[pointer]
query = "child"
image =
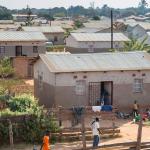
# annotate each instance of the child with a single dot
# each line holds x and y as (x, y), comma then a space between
(46, 145)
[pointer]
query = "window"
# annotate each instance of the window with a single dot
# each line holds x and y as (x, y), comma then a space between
(2, 49)
(138, 85)
(91, 49)
(35, 49)
(18, 50)
(55, 39)
(40, 80)
(80, 87)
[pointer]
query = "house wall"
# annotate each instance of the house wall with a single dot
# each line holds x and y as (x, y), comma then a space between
(51, 36)
(123, 94)
(63, 90)
(74, 46)
(46, 94)
(27, 48)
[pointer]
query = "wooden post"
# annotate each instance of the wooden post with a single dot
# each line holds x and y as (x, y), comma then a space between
(139, 135)
(83, 132)
(11, 135)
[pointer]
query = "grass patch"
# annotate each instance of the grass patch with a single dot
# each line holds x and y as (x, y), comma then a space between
(8, 83)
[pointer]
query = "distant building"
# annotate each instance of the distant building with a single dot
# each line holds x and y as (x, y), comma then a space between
(94, 42)
(70, 80)
(22, 17)
(54, 34)
(22, 47)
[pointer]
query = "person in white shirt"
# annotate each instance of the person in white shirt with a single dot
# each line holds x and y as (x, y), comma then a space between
(96, 132)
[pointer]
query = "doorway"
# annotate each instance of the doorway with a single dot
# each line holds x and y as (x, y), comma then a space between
(100, 92)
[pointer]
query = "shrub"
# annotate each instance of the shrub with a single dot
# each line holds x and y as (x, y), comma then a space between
(28, 130)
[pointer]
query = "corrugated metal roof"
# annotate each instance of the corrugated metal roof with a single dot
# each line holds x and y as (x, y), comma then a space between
(14, 36)
(45, 29)
(97, 61)
(99, 37)
(86, 30)
(103, 24)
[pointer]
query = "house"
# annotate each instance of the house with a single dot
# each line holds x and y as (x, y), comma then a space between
(83, 79)
(94, 42)
(54, 34)
(22, 47)
(22, 17)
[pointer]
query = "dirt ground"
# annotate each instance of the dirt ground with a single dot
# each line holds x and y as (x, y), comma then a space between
(128, 134)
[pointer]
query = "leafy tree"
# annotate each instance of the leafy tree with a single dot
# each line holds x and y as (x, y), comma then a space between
(29, 19)
(96, 18)
(142, 6)
(6, 68)
(78, 24)
(5, 14)
(135, 45)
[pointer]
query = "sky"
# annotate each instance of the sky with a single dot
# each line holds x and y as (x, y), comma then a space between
(13, 4)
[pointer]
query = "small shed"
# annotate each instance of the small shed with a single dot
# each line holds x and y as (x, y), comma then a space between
(94, 42)
(88, 79)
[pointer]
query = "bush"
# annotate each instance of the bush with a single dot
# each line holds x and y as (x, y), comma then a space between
(28, 130)
(6, 69)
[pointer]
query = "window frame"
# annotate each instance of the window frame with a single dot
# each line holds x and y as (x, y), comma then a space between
(138, 85)
(2, 49)
(80, 87)
(35, 50)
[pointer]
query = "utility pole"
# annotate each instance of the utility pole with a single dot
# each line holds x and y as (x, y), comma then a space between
(50, 15)
(112, 29)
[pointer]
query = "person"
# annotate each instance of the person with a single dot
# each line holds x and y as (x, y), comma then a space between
(46, 145)
(96, 132)
(135, 108)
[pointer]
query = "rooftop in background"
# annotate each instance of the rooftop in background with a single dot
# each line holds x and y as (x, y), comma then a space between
(6, 22)
(22, 15)
(96, 37)
(103, 24)
(21, 36)
(97, 61)
(86, 30)
(44, 29)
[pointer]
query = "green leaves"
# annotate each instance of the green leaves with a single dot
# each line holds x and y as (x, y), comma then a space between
(135, 45)
(6, 68)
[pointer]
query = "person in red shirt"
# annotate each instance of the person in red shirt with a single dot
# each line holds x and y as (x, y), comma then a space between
(46, 143)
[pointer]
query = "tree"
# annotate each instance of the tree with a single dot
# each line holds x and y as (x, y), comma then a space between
(5, 14)
(6, 68)
(142, 6)
(135, 45)
(29, 19)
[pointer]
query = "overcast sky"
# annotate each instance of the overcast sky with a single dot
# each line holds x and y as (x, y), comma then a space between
(66, 3)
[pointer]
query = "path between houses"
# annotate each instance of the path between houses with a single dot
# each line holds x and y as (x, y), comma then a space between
(128, 134)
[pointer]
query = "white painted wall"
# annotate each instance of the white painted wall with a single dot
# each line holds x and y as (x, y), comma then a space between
(41, 68)
(71, 42)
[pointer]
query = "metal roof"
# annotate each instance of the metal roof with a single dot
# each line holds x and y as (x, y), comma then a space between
(13, 36)
(86, 30)
(97, 61)
(45, 29)
(97, 37)
(102, 24)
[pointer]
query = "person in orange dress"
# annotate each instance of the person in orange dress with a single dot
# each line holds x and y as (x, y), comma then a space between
(46, 144)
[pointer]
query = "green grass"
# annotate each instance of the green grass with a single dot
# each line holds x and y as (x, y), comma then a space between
(8, 83)
(56, 48)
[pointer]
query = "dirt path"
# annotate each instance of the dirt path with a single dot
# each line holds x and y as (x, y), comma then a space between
(128, 134)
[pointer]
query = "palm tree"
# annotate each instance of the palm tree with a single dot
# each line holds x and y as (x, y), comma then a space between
(135, 45)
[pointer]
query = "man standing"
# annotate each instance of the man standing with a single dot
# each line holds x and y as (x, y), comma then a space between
(96, 132)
